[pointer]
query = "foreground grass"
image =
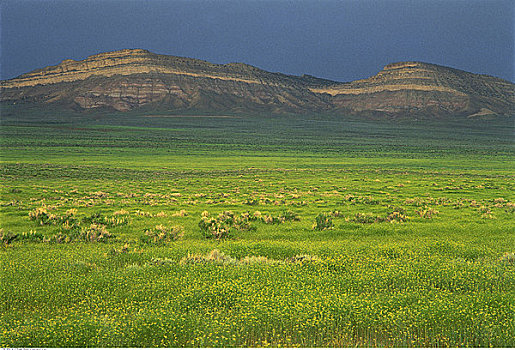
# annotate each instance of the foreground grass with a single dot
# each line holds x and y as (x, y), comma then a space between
(438, 273)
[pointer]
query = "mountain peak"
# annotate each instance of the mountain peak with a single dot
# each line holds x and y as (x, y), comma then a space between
(109, 54)
(120, 53)
(406, 64)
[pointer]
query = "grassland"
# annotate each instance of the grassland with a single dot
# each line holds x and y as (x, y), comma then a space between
(102, 244)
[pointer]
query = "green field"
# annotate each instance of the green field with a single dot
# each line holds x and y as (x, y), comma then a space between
(341, 232)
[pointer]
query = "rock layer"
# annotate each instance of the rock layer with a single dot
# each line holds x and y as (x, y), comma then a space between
(129, 79)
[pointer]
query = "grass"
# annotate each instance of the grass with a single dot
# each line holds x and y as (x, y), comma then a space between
(419, 252)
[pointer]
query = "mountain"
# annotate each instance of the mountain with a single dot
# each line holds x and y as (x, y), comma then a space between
(129, 79)
(423, 89)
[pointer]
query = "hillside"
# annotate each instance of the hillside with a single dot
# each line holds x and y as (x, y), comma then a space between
(128, 79)
(416, 88)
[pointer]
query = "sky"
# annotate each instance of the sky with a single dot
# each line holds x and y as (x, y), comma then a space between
(339, 40)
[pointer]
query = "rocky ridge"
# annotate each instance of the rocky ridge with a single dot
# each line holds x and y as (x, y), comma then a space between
(129, 79)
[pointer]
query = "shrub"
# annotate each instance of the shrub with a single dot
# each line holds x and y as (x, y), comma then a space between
(161, 261)
(99, 194)
(31, 236)
(499, 200)
(392, 217)
(251, 202)
(486, 212)
(243, 222)
(143, 213)
(395, 217)
(288, 215)
(218, 258)
(508, 258)
(301, 258)
(69, 221)
(7, 237)
(214, 257)
(43, 216)
(161, 234)
(335, 213)
(94, 218)
(250, 260)
(109, 221)
(216, 228)
(367, 200)
(227, 217)
(400, 210)
(363, 218)
(95, 233)
(121, 212)
(427, 212)
(323, 221)
(59, 238)
(269, 219)
(220, 227)
(123, 250)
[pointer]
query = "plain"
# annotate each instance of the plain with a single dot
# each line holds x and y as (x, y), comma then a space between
(121, 230)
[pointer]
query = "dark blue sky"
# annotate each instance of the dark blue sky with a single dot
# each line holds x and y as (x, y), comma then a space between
(340, 40)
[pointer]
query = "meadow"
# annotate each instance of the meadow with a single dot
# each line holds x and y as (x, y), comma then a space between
(144, 230)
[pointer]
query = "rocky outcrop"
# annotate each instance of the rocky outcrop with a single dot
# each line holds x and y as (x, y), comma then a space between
(129, 79)
(423, 89)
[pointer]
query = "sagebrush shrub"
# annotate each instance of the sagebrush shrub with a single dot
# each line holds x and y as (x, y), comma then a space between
(251, 202)
(181, 213)
(323, 221)
(395, 216)
(427, 212)
(217, 257)
(95, 233)
(216, 228)
(7, 237)
(121, 212)
(42, 216)
(508, 258)
(161, 234)
(214, 257)
(220, 227)
(486, 212)
(300, 258)
(123, 250)
(250, 260)
(364, 218)
(161, 261)
(288, 215)
(336, 213)
(31, 236)
(109, 221)
(392, 217)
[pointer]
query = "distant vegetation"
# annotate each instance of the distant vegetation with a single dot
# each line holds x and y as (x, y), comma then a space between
(125, 231)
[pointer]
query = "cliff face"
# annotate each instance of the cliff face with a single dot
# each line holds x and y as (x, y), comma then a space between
(128, 79)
